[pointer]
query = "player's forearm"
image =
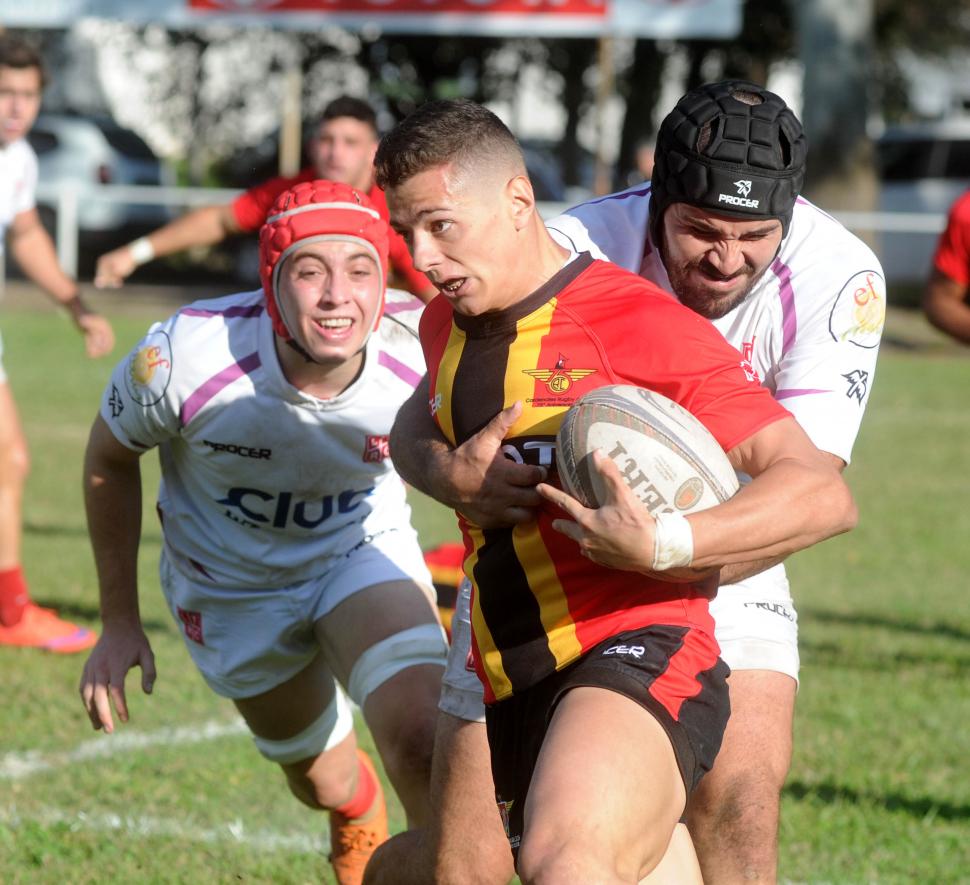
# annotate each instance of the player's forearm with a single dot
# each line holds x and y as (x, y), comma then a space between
(34, 251)
(948, 311)
(791, 505)
(419, 449)
(112, 498)
(200, 227)
(739, 571)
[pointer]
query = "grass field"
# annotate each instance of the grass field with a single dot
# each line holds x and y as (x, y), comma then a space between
(880, 786)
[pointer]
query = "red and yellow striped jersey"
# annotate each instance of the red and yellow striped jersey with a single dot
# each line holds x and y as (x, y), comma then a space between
(537, 604)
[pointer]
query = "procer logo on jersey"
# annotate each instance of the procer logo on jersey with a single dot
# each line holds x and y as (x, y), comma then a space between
(242, 451)
(256, 508)
(744, 189)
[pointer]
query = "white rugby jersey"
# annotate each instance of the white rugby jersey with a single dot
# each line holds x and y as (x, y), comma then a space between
(811, 326)
(18, 184)
(263, 485)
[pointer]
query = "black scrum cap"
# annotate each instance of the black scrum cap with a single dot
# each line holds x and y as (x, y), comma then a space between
(731, 147)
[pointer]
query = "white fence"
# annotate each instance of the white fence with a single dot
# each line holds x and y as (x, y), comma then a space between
(903, 240)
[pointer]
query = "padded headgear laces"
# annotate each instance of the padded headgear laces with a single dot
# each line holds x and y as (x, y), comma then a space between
(731, 147)
(310, 212)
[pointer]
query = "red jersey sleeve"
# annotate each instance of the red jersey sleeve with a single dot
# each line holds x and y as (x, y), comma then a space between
(679, 354)
(952, 256)
(251, 207)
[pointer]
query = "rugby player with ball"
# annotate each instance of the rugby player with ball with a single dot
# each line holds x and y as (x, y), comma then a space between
(521, 330)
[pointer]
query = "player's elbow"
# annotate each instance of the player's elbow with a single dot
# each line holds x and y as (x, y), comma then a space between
(842, 511)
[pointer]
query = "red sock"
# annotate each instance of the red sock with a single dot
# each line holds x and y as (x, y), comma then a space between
(13, 596)
(363, 798)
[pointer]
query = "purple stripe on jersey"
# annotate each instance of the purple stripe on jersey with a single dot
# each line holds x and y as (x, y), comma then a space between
(785, 394)
(401, 306)
(621, 195)
(216, 383)
(405, 373)
(254, 310)
(789, 320)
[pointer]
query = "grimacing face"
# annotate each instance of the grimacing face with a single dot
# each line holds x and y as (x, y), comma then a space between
(461, 231)
(329, 294)
(713, 261)
(343, 151)
(20, 93)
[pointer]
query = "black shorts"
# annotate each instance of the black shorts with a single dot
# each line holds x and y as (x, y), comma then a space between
(674, 672)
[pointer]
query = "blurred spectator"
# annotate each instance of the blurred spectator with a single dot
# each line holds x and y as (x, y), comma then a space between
(643, 162)
(945, 297)
(22, 622)
(342, 150)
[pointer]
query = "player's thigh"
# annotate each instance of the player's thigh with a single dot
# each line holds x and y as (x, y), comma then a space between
(293, 706)
(614, 785)
(757, 742)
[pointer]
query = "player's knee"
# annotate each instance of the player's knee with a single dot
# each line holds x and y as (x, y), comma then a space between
(309, 777)
(321, 787)
(14, 463)
(745, 796)
(557, 860)
(482, 861)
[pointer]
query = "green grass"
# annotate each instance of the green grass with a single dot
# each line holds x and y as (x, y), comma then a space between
(880, 786)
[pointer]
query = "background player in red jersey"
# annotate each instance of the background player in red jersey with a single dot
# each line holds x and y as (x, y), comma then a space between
(948, 288)
(584, 804)
(342, 150)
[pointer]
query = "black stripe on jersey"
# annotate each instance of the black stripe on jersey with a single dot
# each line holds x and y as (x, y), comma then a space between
(479, 383)
(520, 638)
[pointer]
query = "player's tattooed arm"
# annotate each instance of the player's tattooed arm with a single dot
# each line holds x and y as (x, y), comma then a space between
(475, 478)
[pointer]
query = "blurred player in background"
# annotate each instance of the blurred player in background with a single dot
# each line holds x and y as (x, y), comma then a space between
(342, 150)
(946, 297)
(594, 746)
(290, 564)
(804, 301)
(23, 622)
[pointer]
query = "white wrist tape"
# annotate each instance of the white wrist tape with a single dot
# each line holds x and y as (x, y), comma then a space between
(673, 542)
(141, 251)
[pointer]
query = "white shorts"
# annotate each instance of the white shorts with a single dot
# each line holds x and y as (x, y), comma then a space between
(755, 623)
(247, 641)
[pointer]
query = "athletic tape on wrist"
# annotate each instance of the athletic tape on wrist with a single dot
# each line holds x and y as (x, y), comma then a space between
(141, 250)
(673, 542)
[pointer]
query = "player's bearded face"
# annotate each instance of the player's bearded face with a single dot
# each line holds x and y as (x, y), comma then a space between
(461, 234)
(329, 294)
(714, 261)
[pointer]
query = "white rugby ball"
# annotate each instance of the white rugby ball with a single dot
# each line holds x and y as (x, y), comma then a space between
(668, 458)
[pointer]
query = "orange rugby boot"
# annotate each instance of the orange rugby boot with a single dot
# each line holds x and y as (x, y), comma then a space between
(42, 628)
(352, 842)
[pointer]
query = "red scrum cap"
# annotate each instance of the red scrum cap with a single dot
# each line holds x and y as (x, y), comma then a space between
(311, 212)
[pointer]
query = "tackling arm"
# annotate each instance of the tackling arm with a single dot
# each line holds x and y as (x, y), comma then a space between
(475, 478)
(200, 227)
(113, 501)
(945, 305)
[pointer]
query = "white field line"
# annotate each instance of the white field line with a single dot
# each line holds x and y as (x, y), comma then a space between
(143, 825)
(17, 766)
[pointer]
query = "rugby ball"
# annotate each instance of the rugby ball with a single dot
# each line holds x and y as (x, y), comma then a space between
(668, 459)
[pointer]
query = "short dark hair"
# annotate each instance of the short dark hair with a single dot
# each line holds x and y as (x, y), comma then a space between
(348, 106)
(19, 54)
(442, 132)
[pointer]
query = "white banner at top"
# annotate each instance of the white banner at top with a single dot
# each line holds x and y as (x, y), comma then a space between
(661, 19)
